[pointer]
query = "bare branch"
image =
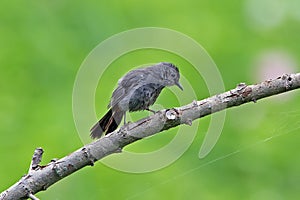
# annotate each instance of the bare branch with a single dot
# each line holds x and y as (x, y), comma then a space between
(31, 196)
(36, 159)
(41, 177)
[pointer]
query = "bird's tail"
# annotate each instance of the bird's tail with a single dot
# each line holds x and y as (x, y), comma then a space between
(108, 123)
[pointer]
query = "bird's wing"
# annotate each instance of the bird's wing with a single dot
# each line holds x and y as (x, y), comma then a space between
(126, 84)
(117, 96)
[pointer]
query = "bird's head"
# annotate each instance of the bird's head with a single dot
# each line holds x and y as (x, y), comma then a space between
(170, 74)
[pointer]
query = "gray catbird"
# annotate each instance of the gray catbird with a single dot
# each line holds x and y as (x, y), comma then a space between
(137, 90)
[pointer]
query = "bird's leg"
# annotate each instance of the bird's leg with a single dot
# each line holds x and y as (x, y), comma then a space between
(150, 110)
(124, 118)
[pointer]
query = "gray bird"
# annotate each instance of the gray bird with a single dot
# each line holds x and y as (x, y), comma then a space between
(136, 91)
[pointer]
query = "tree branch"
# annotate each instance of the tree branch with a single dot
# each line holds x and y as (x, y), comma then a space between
(41, 177)
(36, 159)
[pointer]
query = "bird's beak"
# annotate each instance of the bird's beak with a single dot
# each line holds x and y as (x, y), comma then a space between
(180, 86)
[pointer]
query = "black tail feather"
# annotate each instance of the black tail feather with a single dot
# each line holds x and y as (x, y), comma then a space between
(108, 123)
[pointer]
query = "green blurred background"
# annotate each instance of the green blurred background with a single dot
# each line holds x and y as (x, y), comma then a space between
(43, 44)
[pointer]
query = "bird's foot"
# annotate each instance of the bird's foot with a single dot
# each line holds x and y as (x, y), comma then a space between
(151, 110)
(125, 123)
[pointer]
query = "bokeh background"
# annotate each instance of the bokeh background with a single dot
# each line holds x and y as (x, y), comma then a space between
(43, 44)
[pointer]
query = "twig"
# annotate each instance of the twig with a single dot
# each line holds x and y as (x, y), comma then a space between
(31, 196)
(36, 159)
(44, 176)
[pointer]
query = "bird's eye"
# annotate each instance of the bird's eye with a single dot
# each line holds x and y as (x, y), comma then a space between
(173, 75)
